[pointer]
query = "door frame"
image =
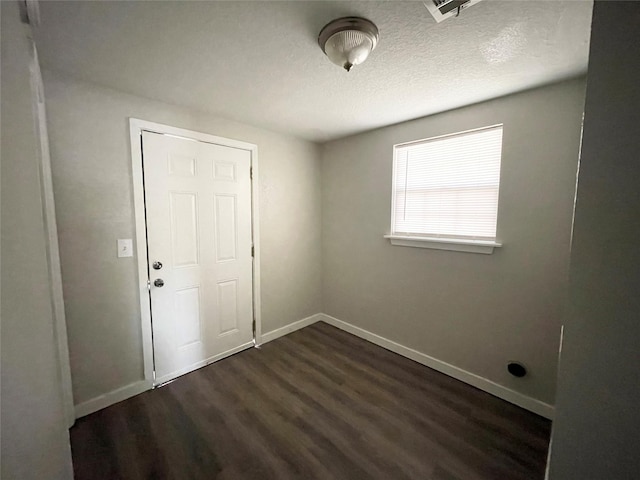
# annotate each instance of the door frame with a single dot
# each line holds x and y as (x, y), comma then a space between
(51, 234)
(136, 127)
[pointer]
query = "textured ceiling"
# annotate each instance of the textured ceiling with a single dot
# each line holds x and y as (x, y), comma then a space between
(259, 62)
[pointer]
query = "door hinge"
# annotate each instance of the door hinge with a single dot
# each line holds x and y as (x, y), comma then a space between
(251, 173)
(253, 326)
(149, 285)
(253, 251)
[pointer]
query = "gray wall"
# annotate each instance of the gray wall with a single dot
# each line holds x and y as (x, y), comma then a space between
(473, 311)
(88, 128)
(597, 430)
(35, 441)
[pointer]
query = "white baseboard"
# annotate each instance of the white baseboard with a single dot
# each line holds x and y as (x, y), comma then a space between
(528, 403)
(118, 395)
(128, 391)
(292, 327)
(477, 381)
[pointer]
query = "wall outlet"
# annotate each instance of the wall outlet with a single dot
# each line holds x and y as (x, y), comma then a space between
(125, 247)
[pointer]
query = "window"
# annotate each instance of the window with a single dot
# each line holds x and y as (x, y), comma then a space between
(445, 191)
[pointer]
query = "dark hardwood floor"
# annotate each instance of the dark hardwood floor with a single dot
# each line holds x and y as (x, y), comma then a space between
(316, 404)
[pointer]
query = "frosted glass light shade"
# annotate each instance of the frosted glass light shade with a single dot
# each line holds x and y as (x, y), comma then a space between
(348, 41)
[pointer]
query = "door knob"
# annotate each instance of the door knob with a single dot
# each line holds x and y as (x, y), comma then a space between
(157, 265)
(158, 282)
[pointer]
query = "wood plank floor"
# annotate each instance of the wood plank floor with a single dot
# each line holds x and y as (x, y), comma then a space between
(317, 404)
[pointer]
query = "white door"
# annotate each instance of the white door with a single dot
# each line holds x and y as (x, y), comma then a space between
(198, 209)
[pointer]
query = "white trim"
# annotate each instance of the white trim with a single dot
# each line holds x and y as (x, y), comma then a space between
(292, 327)
(133, 389)
(549, 450)
(528, 403)
(174, 375)
(136, 127)
(51, 234)
(108, 399)
(141, 248)
(457, 245)
(255, 235)
(147, 126)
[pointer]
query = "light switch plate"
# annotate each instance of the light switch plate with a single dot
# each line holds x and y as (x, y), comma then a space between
(125, 247)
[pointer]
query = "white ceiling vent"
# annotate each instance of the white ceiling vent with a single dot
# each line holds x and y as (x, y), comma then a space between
(443, 9)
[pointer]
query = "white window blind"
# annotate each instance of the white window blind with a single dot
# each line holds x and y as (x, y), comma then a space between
(447, 187)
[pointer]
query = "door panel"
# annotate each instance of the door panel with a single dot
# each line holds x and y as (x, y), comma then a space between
(198, 207)
(183, 211)
(226, 231)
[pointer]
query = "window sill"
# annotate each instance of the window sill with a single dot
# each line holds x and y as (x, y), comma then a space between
(469, 246)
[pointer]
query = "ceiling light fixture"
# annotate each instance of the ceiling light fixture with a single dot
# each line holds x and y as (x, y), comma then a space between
(348, 41)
